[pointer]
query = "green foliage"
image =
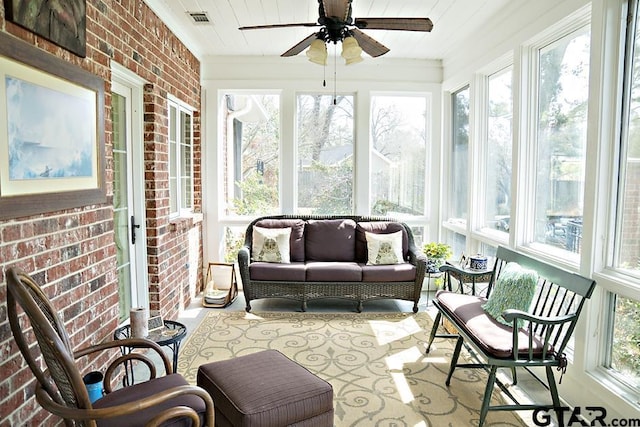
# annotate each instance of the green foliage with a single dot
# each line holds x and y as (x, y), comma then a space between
(437, 250)
(333, 193)
(233, 243)
(257, 196)
(625, 356)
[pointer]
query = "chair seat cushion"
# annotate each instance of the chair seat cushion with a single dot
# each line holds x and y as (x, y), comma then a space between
(491, 336)
(145, 389)
(266, 389)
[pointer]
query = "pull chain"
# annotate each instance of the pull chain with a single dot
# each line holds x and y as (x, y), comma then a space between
(335, 72)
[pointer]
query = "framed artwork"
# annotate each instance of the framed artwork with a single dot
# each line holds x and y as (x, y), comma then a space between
(63, 22)
(51, 132)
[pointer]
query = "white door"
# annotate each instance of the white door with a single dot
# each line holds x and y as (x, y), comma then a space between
(128, 193)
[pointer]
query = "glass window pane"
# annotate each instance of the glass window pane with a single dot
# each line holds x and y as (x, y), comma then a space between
(625, 352)
(459, 166)
(498, 152)
(458, 243)
(628, 224)
(325, 154)
(252, 154)
(233, 241)
(563, 87)
(399, 141)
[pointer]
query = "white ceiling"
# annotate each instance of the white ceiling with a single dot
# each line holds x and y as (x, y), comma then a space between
(453, 20)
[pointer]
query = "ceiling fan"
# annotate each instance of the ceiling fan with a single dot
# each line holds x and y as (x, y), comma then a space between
(336, 24)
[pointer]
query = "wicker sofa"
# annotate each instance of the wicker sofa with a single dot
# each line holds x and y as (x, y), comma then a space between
(331, 257)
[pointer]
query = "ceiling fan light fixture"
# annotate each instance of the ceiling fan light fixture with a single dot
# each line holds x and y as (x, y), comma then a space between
(317, 52)
(351, 50)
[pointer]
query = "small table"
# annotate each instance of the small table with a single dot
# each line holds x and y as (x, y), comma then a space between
(170, 336)
(465, 275)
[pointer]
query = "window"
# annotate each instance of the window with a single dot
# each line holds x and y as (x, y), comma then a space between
(398, 158)
(459, 166)
(497, 162)
(623, 358)
(325, 154)
(562, 95)
(251, 149)
(180, 158)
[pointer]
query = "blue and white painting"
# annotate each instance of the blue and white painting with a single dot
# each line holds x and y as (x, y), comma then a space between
(51, 134)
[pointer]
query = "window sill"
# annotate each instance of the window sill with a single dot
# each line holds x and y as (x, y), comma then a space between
(185, 223)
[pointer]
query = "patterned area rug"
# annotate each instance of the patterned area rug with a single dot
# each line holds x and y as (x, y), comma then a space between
(375, 362)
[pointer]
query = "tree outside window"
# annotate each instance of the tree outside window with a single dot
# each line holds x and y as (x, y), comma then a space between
(398, 157)
(251, 152)
(497, 211)
(563, 88)
(325, 154)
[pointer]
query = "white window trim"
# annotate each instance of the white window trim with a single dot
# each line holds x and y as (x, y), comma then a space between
(181, 106)
(528, 139)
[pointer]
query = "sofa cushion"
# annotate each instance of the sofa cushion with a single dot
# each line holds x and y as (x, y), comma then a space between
(384, 248)
(277, 272)
(389, 273)
(379, 227)
(332, 271)
(296, 241)
(271, 244)
(491, 336)
(330, 240)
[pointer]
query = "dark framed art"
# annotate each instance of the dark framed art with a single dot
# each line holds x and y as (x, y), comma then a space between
(51, 132)
(63, 22)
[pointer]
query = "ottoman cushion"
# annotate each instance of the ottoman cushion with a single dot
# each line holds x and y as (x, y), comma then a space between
(266, 389)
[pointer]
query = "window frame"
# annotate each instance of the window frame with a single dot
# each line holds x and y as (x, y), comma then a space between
(575, 24)
(480, 231)
(182, 209)
(613, 281)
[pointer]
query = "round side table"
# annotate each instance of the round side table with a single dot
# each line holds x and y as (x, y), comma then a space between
(170, 336)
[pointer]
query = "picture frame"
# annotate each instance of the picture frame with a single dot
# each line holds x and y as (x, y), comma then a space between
(155, 323)
(64, 25)
(51, 158)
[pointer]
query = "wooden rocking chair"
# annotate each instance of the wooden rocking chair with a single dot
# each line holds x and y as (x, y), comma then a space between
(166, 400)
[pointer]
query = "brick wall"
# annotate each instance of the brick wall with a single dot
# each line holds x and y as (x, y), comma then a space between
(72, 252)
(630, 242)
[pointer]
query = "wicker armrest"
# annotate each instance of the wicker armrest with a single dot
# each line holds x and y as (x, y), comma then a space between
(134, 343)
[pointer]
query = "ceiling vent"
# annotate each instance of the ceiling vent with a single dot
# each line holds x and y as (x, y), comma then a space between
(199, 17)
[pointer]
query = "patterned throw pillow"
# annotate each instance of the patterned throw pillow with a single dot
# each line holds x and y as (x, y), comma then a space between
(384, 248)
(271, 244)
(514, 288)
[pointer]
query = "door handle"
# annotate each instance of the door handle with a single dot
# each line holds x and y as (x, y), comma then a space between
(133, 229)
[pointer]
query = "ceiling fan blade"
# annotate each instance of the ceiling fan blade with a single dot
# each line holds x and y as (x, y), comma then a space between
(301, 46)
(401, 24)
(337, 8)
(260, 27)
(369, 44)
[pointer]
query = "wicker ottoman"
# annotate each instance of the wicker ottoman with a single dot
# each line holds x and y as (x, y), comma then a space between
(266, 389)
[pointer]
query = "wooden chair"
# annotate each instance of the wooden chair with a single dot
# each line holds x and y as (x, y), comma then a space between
(60, 389)
(541, 342)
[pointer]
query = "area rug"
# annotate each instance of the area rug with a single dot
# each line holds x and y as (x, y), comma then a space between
(375, 362)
